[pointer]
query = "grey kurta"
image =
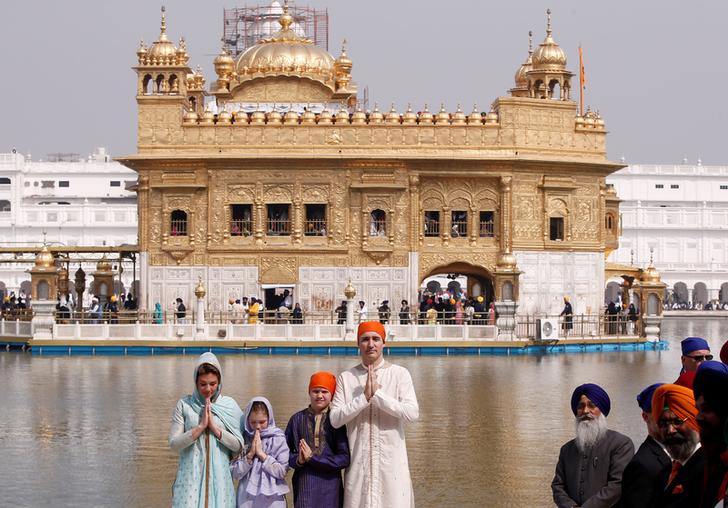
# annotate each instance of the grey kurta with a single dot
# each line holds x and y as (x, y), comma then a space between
(592, 479)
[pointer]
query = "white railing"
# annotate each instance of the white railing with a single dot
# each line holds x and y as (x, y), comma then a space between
(264, 332)
(15, 328)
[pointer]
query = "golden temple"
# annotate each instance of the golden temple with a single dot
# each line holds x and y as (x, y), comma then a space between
(276, 177)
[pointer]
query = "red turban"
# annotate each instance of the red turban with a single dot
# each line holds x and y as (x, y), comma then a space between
(679, 399)
(371, 326)
(324, 380)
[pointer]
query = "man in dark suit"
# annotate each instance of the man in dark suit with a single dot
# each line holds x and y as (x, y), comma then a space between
(589, 470)
(640, 475)
(681, 483)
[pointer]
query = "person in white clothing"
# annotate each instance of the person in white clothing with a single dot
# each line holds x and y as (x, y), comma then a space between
(374, 400)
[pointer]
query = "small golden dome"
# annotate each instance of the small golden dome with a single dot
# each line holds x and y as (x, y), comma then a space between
(142, 51)
(224, 117)
(104, 265)
(458, 118)
(291, 117)
(286, 54)
(579, 122)
(443, 117)
(257, 117)
(521, 77)
(200, 290)
(224, 63)
(326, 117)
(208, 118)
(359, 117)
(308, 117)
(190, 116)
(507, 261)
(342, 116)
(409, 117)
(44, 259)
(162, 51)
(549, 55)
(344, 63)
(349, 291)
(651, 274)
(425, 116)
(491, 117)
(241, 117)
(274, 117)
(475, 117)
(376, 116)
(392, 116)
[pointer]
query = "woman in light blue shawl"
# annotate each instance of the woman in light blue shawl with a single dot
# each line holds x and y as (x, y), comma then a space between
(206, 433)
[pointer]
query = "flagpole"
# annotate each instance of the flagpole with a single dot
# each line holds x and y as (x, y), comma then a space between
(581, 82)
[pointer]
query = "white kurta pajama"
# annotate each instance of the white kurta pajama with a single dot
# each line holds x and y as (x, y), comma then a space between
(378, 475)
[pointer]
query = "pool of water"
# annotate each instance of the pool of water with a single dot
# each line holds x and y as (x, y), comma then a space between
(92, 431)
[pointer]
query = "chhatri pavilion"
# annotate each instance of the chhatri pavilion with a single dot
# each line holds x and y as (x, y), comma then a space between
(274, 177)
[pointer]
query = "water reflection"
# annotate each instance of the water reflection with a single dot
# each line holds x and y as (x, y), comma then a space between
(91, 431)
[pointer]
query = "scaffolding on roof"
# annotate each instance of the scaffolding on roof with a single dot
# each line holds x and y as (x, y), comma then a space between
(243, 27)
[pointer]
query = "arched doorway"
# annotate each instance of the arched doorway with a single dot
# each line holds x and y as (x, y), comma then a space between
(700, 293)
(723, 295)
(469, 281)
(680, 293)
(613, 292)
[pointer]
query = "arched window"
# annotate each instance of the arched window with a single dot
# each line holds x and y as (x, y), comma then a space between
(161, 84)
(556, 229)
(555, 89)
(4, 205)
(173, 84)
(609, 222)
(145, 84)
(378, 223)
(178, 223)
(43, 290)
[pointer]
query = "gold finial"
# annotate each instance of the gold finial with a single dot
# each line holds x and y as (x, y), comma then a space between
(163, 28)
(343, 47)
(442, 107)
(651, 251)
(349, 291)
(200, 290)
(426, 110)
(631, 257)
(44, 237)
(548, 22)
(530, 42)
(286, 20)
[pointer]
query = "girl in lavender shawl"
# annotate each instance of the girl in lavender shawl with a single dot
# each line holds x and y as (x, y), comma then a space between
(262, 470)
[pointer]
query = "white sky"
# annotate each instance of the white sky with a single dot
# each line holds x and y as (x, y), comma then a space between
(656, 70)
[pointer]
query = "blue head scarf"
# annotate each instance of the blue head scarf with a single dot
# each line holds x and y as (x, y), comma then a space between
(644, 399)
(594, 393)
(190, 481)
(690, 344)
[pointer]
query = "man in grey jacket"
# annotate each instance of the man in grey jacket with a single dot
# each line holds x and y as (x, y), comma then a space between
(589, 471)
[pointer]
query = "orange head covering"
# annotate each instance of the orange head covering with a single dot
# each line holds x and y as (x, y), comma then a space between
(371, 326)
(323, 380)
(679, 399)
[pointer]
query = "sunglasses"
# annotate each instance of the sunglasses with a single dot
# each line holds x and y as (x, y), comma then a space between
(700, 358)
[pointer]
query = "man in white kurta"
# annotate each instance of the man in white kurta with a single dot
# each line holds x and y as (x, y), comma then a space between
(374, 400)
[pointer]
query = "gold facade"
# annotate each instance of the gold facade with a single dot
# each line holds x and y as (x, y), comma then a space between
(529, 160)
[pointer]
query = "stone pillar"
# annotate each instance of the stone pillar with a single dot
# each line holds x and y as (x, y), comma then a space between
(506, 321)
(43, 320)
(200, 311)
(349, 293)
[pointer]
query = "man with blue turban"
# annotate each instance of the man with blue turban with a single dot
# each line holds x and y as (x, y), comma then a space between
(695, 350)
(589, 470)
(638, 480)
(711, 399)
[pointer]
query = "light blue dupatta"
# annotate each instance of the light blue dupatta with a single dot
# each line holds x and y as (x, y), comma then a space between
(188, 490)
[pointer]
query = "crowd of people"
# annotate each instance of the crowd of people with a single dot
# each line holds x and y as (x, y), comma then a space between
(683, 461)
(354, 423)
(14, 307)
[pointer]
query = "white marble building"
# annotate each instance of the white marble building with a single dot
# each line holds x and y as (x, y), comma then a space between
(75, 202)
(681, 212)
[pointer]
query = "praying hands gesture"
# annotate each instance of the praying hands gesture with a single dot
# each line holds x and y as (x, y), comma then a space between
(304, 452)
(207, 422)
(256, 449)
(371, 386)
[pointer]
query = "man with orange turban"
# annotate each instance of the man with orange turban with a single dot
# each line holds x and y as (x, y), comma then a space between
(374, 400)
(674, 408)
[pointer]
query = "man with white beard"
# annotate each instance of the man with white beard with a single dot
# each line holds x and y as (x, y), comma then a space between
(682, 482)
(589, 471)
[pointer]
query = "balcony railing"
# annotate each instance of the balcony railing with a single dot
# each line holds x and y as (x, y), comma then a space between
(279, 227)
(241, 227)
(316, 227)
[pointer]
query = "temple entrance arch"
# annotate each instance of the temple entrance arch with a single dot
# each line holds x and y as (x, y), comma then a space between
(471, 280)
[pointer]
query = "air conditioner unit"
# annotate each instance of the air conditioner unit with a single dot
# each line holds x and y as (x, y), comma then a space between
(548, 329)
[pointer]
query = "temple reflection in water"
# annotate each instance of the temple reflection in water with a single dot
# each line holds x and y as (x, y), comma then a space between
(275, 177)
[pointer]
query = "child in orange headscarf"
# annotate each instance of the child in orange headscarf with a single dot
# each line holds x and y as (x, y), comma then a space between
(318, 451)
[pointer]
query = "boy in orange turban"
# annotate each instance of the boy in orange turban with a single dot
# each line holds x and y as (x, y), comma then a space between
(318, 451)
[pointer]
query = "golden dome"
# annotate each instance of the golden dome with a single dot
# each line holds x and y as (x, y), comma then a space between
(44, 259)
(376, 116)
(359, 117)
(286, 54)
(507, 261)
(257, 117)
(549, 55)
(392, 116)
(224, 63)
(291, 117)
(200, 290)
(190, 116)
(409, 117)
(224, 117)
(458, 118)
(522, 72)
(104, 265)
(651, 274)
(475, 117)
(162, 51)
(326, 117)
(443, 117)
(425, 116)
(350, 291)
(274, 117)
(342, 116)
(308, 117)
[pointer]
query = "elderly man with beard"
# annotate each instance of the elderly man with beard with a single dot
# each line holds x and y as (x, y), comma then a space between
(711, 397)
(589, 471)
(640, 475)
(681, 482)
